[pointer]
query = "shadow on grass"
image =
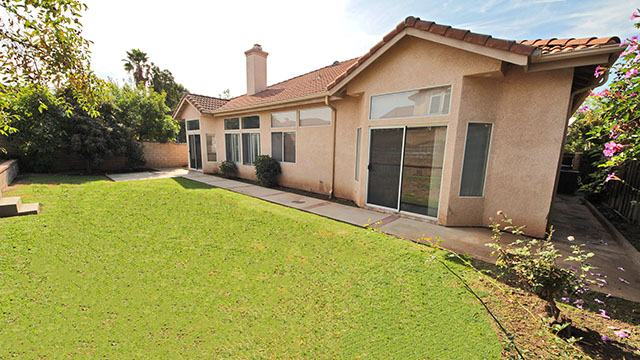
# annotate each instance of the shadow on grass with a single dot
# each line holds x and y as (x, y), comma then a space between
(56, 179)
(190, 184)
(592, 342)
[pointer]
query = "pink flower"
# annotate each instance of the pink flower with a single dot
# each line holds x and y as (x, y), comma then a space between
(610, 177)
(622, 333)
(597, 72)
(565, 299)
(603, 314)
(612, 328)
(599, 301)
(611, 148)
(621, 268)
(630, 73)
(623, 280)
(605, 338)
(634, 15)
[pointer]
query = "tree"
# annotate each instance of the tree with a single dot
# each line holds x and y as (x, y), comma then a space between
(162, 81)
(226, 94)
(137, 63)
(41, 43)
(144, 111)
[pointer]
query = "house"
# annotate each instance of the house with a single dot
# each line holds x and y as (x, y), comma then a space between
(433, 121)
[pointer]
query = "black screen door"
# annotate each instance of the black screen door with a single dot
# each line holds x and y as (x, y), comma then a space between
(385, 161)
(195, 152)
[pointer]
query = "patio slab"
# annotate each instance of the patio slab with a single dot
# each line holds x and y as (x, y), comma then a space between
(569, 217)
(149, 175)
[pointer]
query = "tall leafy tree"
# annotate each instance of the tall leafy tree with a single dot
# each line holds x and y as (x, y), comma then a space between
(41, 43)
(163, 81)
(137, 63)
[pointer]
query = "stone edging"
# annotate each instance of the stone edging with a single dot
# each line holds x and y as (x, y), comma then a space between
(631, 251)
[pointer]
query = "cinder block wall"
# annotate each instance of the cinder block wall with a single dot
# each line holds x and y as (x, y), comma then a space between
(164, 155)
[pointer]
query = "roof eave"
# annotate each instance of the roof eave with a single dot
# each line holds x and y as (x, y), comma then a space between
(604, 49)
(265, 106)
(181, 103)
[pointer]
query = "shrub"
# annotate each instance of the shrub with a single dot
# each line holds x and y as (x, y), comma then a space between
(534, 265)
(267, 169)
(228, 168)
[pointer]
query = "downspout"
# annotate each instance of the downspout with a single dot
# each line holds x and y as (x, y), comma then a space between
(333, 145)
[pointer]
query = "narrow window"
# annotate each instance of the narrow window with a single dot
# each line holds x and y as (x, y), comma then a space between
(250, 148)
(212, 153)
(283, 146)
(193, 124)
(315, 117)
(358, 140)
(232, 147)
(251, 122)
(232, 124)
(283, 119)
(476, 154)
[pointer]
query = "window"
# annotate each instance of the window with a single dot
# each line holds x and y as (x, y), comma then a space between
(476, 154)
(423, 102)
(315, 117)
(212, 153)
(250, 148)
(283, 119)
(232, 124)
(232, 147)
(283, 146)
(358, 140)
(251, 122)
(193, 124)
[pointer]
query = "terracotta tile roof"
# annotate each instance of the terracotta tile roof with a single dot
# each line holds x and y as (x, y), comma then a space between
(205, 103)
(319, 81)
(523, 47)
(314, 82)
(554, 46)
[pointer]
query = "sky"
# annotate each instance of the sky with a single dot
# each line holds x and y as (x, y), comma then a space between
(203, 42)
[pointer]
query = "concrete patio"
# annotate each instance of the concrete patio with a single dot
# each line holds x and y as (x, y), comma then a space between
(148, 175)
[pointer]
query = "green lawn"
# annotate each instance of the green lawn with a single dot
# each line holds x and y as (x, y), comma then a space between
(174, 269)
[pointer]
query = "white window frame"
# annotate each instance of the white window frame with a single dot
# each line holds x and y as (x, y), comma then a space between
(239, 161)
(186, 125)
(315, 108)
(295, 120)
(450, 85)
(242, 145)
(215, 145)
(295, 144)
(246, 116)
(358, 153)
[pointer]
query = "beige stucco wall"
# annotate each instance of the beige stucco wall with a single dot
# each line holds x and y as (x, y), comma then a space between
(527, 110)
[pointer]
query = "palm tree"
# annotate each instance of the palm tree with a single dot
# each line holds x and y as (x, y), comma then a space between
(137, 62)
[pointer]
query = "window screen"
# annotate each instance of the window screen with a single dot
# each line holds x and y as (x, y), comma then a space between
(193, 124)
(250, 148)
(476, 153)
(283, 146)
(423, 102)
(283, 119)
(212, 153)
(358, 140)
(232, 147)
(232, 124)
(315, 117)
(251, 122)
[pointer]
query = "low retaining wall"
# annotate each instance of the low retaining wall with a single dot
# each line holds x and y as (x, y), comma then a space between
(8, 172)
(164, 155)
(156, 154)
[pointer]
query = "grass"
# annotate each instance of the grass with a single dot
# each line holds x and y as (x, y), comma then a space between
(170, 268)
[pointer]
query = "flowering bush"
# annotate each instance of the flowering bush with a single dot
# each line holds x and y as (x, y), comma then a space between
(534, 265)
(617, 107)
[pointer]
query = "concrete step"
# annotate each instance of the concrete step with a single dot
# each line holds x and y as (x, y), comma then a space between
(9, 206)
(29, 209)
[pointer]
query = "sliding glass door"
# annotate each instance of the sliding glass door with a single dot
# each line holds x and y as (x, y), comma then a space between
(405, 168)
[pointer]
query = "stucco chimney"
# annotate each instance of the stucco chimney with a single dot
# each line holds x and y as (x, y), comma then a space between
(256, 69)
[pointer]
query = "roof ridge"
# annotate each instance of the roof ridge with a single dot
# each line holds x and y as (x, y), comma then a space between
(307, 73)
(207, 96)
